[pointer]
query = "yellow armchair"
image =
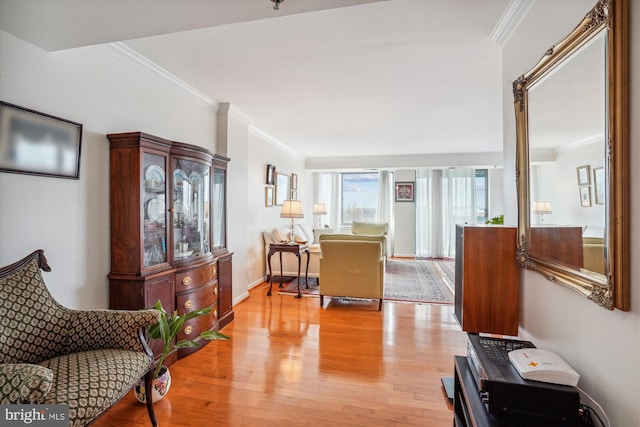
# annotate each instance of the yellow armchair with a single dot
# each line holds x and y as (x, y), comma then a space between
(351, 268)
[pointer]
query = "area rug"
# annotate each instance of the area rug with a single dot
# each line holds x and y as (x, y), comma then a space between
(423, 281)
(429, 281)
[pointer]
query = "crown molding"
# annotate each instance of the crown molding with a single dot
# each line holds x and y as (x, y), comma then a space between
(271, 140)
(226, 108)
(130, 57)
(515, 11)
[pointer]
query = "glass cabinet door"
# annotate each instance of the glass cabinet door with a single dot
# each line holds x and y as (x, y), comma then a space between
(191, 216)
(154, 212)
(219, 220)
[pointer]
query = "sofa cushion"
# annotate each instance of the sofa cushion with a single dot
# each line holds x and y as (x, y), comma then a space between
(369, 228)
(281, 234)
(91, 381)
(355, 237)
(307, 231)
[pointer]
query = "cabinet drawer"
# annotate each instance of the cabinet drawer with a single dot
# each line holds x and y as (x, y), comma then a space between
(196, 277)
(198, 298)
(194, 327)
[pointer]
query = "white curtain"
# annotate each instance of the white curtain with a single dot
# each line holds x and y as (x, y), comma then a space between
(385, 211)
(444, 198)
(328, 192)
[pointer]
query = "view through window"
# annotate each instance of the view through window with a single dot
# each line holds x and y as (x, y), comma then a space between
(359, 197)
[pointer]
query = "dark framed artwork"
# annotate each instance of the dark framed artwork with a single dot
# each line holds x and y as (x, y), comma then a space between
(35, 143)
(404, 191)
(271, 173)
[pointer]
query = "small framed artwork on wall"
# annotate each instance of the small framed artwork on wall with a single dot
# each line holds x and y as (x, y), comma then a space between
(584, 175)
(294, 181)
(598, 185)
(404, 191)
(268, 197)
(585, 196)
(271, 173)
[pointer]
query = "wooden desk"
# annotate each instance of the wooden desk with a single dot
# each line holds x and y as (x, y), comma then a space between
(295, 249)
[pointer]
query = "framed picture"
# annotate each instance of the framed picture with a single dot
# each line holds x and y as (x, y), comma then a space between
(283, 188)
(38, 144)
(584, 175)
(404, 191)
(598, 185)
(294, 181)
(585, 197)
(294, 195)
(268, 197)
(271, 172)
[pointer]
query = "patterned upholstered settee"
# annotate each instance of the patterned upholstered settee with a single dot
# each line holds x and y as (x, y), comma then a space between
(49, 354)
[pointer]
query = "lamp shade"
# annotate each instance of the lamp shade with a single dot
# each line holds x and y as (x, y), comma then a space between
(320, 209)
(542, 207)
(291, 209)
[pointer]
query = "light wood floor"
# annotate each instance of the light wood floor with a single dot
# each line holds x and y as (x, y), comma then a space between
(291, 363)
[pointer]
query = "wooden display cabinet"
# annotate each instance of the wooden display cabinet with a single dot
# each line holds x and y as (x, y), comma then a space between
(163, 206)
(220, 250)
(487, 279)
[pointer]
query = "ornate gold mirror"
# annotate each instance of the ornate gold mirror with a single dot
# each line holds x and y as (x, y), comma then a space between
(571, 167)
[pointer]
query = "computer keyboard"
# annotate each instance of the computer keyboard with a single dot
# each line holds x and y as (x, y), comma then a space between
(497, 350)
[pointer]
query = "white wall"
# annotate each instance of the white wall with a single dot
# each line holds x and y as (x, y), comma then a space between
(404, 242)
(263, 151)
(603, 346)
(557, 182)
(69, 219)
(496, 185)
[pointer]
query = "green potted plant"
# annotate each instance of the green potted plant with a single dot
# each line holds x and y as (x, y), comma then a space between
(166, 331)
(496, 219)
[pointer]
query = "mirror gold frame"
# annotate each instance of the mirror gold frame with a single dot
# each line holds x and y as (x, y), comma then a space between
(610, 290)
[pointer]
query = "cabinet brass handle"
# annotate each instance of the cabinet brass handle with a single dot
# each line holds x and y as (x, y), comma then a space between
(215, 290)
(213, 270)
(186, 280)
(215, 313)
(188, 330)
(188, 304)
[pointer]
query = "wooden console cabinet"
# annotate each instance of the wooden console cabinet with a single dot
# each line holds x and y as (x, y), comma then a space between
(486, 279)
(168, 229)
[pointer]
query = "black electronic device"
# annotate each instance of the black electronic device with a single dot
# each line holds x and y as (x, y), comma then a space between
(507, 395)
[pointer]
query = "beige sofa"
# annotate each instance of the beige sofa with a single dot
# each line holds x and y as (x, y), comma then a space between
(351, 268)
(304, 234)
(593, 249)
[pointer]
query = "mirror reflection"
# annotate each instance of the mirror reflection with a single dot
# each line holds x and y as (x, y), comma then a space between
(567, 128)
(572, 168)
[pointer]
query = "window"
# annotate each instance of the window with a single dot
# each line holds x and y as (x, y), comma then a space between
(359, 197)
(482, 195)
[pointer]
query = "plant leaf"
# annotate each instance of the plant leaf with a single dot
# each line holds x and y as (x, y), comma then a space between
(213, 335)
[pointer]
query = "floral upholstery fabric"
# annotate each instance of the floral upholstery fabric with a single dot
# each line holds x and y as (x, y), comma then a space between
(87, 359)
(91, 381)
(21, 382)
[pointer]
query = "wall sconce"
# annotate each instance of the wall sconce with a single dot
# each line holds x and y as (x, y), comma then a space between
(291, 209)
(542, 208)
(319, 209)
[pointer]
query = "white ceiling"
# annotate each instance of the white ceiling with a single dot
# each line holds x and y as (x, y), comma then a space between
(323, 77)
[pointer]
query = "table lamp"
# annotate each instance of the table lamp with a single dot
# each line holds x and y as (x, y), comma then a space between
(542, 207)
(319, 209)
(291, 209)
